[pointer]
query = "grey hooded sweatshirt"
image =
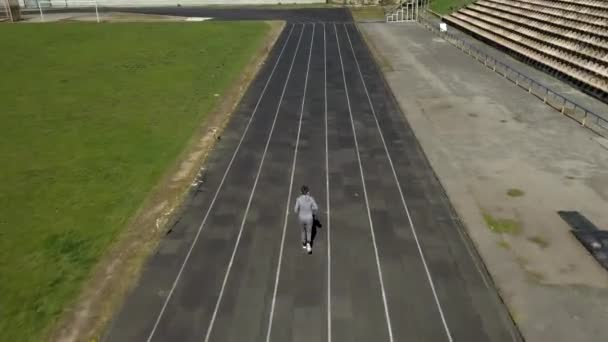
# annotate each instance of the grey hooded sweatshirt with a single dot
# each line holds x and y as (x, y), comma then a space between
(305, 208)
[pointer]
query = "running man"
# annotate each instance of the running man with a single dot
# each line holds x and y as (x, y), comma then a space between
(306, 208)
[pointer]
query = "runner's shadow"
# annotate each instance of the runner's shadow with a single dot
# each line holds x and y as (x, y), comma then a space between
(316, 224)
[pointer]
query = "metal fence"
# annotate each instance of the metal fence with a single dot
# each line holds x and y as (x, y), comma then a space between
(406, 11)
(5, 11)
(92, 4)
(582, 115)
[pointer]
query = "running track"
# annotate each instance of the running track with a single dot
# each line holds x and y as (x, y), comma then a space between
(391, 263)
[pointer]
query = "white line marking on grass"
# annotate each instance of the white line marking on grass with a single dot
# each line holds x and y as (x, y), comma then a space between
(369, 215)
(407, 211)
(328, 220)
(293, 169)
(197, 19)
(255, 184)
(200, 228)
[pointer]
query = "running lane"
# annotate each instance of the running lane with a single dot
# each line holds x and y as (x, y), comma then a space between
(391, 262)
(177, 295)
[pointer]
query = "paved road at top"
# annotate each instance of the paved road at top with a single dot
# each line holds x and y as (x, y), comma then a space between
(391, 262)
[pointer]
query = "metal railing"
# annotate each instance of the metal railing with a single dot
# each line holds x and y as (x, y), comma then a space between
(582, 115)
(406, 11)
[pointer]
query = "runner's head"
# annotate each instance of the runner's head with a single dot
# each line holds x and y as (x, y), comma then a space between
(304, 190)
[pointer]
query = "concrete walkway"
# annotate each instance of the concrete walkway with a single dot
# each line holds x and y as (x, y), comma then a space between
(485, 136)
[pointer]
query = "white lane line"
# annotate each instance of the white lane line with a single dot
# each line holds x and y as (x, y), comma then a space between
(255, 184)
(200, 228)
(328, 219)
(475, 259)
(369, 215)
(293, 169)
(407, 211)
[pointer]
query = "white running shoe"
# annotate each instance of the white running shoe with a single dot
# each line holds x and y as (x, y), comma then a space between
(304, 245)
(308, 248)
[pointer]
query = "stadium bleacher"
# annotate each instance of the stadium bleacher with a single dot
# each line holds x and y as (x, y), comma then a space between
(569, 37)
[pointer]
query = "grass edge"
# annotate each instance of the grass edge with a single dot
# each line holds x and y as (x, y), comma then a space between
(120, 266)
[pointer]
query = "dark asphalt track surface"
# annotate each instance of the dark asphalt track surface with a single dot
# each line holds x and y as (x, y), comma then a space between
(391, 262)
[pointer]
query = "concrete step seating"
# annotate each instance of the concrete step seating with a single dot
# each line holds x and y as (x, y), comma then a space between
(574, 46)
(567, 69)
(588, 3)
(596, 8)
(522, 17)
(553, 51)
(588, 14)
(592, 33)
(568, 36)
(585, 21)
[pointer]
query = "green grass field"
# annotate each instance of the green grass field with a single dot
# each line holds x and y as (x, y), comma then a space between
(448, 6)
(92, 116)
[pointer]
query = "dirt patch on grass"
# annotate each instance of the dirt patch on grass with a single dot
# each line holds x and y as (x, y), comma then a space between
(121, 266)
(137, 17)
(123, 17)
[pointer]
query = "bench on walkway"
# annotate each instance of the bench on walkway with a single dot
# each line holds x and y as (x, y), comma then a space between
(590, 236)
